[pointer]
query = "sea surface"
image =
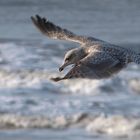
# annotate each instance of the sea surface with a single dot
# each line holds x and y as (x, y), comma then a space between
(33, 107)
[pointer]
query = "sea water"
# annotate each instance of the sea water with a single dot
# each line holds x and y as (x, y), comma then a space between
(34, 107)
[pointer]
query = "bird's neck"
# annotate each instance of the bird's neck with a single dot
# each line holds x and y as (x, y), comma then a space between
(83, 52)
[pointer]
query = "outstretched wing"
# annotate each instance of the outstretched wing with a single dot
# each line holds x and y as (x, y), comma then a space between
(95, 66)
(55, 32)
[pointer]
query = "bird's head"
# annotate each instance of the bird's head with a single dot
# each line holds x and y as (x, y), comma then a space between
(72, 57)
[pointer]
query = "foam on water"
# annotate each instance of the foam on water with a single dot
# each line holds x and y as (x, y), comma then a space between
(37, 78)
(28, 99)
(31, 92)
(111, 125)
(24, 69)
(115, 125)
(25, 80)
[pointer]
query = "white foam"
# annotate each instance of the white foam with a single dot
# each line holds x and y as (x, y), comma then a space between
(111, 125)
(82, 86)
(35, 78)
(115, 125)
(23, 78)
(8, 121)
(135, 85)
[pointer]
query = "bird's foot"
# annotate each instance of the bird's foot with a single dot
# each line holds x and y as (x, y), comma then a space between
(56, 79)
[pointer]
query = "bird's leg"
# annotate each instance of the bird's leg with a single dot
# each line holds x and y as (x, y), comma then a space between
(56, 79)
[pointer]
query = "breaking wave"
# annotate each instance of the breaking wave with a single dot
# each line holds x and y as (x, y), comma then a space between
(111, 125)
(29, 99)
(40, 78)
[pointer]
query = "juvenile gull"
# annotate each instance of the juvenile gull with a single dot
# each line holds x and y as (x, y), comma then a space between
(95, 59)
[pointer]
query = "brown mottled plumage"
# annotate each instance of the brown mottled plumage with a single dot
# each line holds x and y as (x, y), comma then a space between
(95, 59)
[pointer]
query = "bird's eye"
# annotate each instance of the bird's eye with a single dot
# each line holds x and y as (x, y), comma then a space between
(67, 59)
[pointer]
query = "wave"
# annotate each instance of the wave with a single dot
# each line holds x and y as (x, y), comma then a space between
(41, 79)
(110, 125)
(115, 125)
(9, 121)
(27, 68)
(21, 78)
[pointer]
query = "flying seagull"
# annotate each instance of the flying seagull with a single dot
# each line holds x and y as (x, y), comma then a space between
(94, 59)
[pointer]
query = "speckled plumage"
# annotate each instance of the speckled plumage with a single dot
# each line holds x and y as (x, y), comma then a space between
(101, 59)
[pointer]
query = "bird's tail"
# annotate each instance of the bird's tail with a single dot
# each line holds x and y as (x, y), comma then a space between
(136, 58)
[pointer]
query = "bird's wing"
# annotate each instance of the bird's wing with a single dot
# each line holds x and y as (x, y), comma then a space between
(55, 32)
(95, 66)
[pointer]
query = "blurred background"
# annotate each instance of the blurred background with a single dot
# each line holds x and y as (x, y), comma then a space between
(32, 106)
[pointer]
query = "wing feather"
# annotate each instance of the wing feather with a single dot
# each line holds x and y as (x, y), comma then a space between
(95, 66)
(55, 32)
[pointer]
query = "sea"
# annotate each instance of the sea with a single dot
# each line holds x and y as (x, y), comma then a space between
(32, 107)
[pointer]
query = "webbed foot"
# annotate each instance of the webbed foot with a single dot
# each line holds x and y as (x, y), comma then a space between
(56, 79)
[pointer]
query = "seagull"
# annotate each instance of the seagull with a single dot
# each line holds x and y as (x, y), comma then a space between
(94, 59)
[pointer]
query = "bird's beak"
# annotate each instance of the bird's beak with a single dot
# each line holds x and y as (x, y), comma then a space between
(66, 63)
